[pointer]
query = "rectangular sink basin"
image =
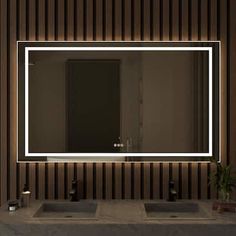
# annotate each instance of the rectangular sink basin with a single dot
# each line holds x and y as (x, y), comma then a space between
(176, 210)
(67, 210)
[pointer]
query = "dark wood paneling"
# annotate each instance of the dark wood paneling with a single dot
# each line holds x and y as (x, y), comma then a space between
(112, 20)
(4, 188)
(232, 85)
(13, 17)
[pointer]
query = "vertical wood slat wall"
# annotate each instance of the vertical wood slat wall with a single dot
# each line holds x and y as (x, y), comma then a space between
(104, 20)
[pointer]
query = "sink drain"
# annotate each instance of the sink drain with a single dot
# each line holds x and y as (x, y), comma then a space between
(68, 216)
(173, 216)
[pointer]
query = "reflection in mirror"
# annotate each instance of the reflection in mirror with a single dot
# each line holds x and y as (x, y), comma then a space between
(120, 102)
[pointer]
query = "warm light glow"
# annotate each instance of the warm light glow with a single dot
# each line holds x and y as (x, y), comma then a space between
(98, 155)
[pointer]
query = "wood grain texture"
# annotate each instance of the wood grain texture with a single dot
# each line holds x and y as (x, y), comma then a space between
(165, 178)
(51, 181)
(3, 103)
(156, 181)
(137, 181)
(194, 178)
(232, 74)
(108, 185)
(89, 178)
(204, 181)
(12, 37)
(185, 181)
(118, 181)
(61, 181)
(99, 182)
(224, 75)
(146, 181)
(112, 20)
(80, 178)
(127, 181)
(155, 27)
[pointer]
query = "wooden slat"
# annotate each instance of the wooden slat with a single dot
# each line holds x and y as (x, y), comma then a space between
(232, 87)
(22, 177)
(146, 181)
(118, 183)
(108, 22)
(51, 37)
(137, 180)
(118, 20)
(89, 20)
(185, 19)
(41, 19)
(212, 187)
(194, 184)
(32, 185)
(213, 36)
(41, 183)
(70, 20)
(79, 21)
(165, 180)
(137, 20)
(80, 178)
(204, 181)
(156, 20)
(99, 19)
(156, 181)
(32, 20)
(89, 179)
(185, 179)
(51, 179)
(223, 38)
(194, 20)
(108, 186)
(175, 176)
(61, 181)
(32, 36)
(127, 16)
(175, 20)
(41, 36)
(213, 20)
(12, 81)
(146, 20)
(22, 35)
(70, 177)
(3, 100)
(99, 183)
(51, 20)
(165, 21)
(127, 180)
(204, 20)
(22, 20)
(60, 20)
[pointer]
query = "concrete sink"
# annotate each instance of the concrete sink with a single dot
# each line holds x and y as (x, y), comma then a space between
(67, 210)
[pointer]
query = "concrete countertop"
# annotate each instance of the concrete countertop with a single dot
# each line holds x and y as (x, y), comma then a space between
(115, 217)
(111, 212)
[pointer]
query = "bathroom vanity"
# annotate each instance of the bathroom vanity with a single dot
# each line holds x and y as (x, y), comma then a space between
(117, 217)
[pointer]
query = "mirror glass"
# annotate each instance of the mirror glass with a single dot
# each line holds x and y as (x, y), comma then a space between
(126, 101)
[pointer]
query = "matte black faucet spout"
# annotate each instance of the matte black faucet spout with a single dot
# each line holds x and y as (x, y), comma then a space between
(74, 191)
(172, 192)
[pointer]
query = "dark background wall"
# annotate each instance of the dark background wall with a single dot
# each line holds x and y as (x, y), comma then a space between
(112, 20)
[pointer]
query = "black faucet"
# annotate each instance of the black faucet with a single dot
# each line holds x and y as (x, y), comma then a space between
(172, 192)
(74, 191)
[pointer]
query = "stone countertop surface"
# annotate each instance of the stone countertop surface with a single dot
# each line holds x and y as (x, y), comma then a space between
(115, 217)
(113, 212)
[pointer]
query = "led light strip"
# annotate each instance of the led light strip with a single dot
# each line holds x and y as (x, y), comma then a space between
(28, 49)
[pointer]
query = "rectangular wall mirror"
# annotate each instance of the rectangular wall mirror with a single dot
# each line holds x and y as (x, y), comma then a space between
(118, 101)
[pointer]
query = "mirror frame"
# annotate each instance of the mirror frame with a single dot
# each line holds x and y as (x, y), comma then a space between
(23, 49)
